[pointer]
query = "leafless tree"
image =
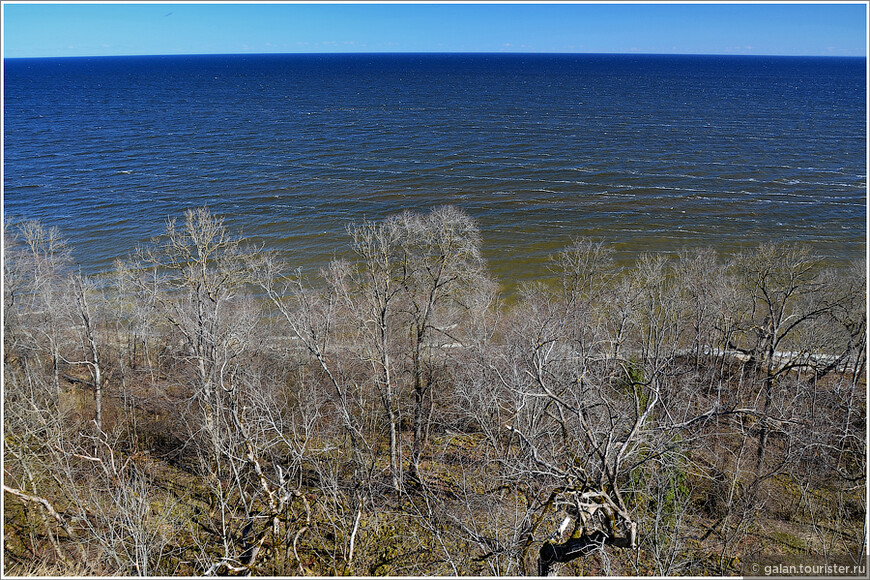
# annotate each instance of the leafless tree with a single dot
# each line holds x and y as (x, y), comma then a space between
(81, 318)
(36, 297)
(443, 278)
(785, 294)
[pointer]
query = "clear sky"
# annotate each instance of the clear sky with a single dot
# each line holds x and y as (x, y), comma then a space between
(37, 30)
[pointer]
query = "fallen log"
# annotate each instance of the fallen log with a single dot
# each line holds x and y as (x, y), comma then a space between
(582, 546)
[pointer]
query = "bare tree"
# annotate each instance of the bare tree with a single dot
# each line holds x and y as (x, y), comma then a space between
(443, 278)
(785, 294)
(36, 296)
(83, 320)
(195, 277)
(371, 293)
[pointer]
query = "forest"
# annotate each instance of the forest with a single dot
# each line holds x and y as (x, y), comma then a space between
(206, 408)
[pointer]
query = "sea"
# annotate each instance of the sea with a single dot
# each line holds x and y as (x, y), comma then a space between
(648, 153)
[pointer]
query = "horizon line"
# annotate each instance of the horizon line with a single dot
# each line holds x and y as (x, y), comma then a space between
(442, 53)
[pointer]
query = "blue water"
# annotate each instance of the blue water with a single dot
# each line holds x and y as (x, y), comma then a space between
(650, 153)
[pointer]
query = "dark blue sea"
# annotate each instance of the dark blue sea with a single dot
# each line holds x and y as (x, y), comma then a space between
(649, 153)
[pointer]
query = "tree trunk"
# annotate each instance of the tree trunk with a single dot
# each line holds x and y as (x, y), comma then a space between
(573, 548)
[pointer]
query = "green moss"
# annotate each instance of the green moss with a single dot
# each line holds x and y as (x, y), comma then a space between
(789, 541)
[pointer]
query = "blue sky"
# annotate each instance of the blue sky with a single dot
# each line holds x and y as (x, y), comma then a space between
(39, 30)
